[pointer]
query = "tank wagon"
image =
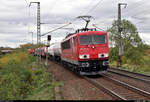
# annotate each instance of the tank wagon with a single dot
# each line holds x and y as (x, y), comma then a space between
(54, 51)
(50, 52)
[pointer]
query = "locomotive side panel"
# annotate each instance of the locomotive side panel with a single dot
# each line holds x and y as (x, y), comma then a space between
(66, 49)
(74, 48)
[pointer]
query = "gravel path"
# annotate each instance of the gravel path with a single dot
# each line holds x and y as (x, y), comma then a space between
(75, 87)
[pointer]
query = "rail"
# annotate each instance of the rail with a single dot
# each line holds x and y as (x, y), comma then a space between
(142, 92)
(108, 91)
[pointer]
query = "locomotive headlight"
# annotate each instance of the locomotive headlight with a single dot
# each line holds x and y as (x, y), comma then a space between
(103, 55)
(85, 56)
(99, 55)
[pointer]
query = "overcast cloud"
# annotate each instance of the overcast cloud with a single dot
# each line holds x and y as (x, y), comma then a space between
(17, 20)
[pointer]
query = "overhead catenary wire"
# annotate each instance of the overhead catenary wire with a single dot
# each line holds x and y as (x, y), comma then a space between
(133, 15)
(142, 12)
(129, 10)
(55, 29)
(27, 17)
(141, 19)
(107, 17)
(26, 2)
(90, 3)
(98, 27)
(90, 11)
(51, 8)
(94, 7)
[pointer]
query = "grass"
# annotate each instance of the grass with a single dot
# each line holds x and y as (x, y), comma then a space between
(45, 93)
(143, 69)
(21, 79)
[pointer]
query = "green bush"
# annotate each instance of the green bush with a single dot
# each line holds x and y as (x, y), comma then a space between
(113, 54)
(17, 78)
(134, 59)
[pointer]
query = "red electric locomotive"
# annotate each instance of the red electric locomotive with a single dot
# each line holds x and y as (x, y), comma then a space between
(86, 51)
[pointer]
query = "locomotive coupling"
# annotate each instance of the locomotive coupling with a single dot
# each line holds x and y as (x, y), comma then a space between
(84, 64)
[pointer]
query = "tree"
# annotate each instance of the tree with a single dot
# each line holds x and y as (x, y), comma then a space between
(131, 41)
(129, 34)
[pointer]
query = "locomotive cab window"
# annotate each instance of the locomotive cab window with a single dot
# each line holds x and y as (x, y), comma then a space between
(92, 39)
(99, 39)
(66, 45)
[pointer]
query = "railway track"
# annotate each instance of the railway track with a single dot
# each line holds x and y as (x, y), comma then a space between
(131, 78)
(137, 76)
(118, 89)
(77, 87)
(105, 89)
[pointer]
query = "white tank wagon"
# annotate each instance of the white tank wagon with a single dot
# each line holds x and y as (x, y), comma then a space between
(57, 49)
(50, 51)
(54, 51)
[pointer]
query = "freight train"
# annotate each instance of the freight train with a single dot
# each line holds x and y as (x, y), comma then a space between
(85, 52)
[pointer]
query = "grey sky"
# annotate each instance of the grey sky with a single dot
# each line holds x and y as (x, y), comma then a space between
(16, 19)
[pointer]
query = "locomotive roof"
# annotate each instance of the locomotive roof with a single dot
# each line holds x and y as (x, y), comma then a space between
(92, 32)
(82, 33)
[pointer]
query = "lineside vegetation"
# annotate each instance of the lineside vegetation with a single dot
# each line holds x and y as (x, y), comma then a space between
(136, 54)
(20, 79)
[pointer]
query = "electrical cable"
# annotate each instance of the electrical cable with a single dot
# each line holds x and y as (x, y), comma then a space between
(140, 13)
(94, 7)
(90, 3)
(55, 29)
(133, 10)
(51, 7)
(26, 2)
(27, 18)
(130, 10)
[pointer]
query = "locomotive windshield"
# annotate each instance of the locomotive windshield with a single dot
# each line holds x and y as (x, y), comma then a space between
(92, 39)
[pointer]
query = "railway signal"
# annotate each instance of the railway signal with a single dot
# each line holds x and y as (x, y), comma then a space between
(49, 37)
(48, 44)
